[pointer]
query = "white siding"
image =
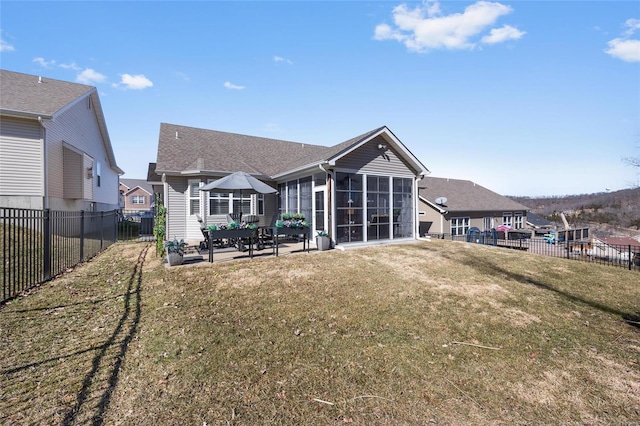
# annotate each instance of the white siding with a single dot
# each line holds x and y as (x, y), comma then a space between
(176, 207)
(21, 158)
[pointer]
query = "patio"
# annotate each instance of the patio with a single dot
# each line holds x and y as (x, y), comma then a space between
(194, 256)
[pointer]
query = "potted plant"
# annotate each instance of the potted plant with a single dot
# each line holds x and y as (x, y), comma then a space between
(175, 251)
(323, 241)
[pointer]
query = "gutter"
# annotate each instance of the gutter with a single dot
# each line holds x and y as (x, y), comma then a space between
(45, 166)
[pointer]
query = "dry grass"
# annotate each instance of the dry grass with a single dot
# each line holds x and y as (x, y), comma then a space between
(439, 332)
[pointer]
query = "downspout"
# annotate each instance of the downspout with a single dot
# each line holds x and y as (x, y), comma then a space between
(165, 201)
(45, 166)
(329, 208)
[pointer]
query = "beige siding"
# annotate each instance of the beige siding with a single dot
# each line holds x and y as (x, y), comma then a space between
(78, 127)
(87, 178)
(176, 207)
(21, 158)
(371, 160)
(72, 162)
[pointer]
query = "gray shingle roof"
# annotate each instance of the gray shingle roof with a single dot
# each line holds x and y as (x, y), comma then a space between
(22, 93)
(132, 183)
(464, 195)
(31, 96)
(215, 151)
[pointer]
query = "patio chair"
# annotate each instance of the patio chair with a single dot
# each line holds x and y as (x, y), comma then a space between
(234, 217)
(239, 243)
(204, 245)
(267, 233)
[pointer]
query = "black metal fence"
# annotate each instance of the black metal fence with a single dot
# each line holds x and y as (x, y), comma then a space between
(36, 245)
(625, 256)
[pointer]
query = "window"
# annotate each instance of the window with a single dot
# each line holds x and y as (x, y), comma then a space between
(138, 199)
(349, 209)
(241, 202)
(194, 197)
(218, 203)
(403, 213)
(319, 222)
(459, 225)
(260, 209)
(98, 173)
(377, 207)
(517, 221)
(507, 219)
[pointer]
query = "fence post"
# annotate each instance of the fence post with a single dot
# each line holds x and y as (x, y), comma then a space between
(81, 235)
(47, 244)
(101, 229)
(630, 262)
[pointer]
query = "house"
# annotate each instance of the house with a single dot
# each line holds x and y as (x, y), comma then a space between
(453, 206)
(138, 195)
(617, 249)
(360, 190)
(55, 150)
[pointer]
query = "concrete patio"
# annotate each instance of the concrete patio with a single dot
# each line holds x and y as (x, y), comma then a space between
(194, 256)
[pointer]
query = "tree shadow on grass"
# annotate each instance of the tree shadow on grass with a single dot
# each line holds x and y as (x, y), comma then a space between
(484, 266)
(120, 336)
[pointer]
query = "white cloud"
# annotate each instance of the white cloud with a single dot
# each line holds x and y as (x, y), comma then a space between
(182, 76)
(425, 28)
(5, 46)
(632, 26)
(281, 59)
(627, 50)
(90, 76)
(71, 66)
(43, 63)
(498, 35)
(134, 82)
(228, 85)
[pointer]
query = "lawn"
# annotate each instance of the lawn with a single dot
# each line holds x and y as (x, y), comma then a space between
(426, 333)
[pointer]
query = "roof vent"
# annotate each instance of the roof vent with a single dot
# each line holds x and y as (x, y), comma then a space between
(177, 135)
(39, 79)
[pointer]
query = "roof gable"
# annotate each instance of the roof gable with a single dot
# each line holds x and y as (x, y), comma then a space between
(464, 195)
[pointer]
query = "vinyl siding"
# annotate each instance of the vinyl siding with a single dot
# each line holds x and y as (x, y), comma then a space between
(72, 163)
(371, 160)
(78, 127)
(21, 158)
(176, 207)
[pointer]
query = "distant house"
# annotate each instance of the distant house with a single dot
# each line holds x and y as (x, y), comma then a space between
(453, 206)
(620, 249)
(360, 190)
(55, 150)
(137, 194)
(154, 179)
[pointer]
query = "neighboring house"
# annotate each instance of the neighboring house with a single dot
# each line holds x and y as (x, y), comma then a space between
(621, 249)
(361, 190)
(154, 180)
(453, 206)
(538, 222)
(137, 194)
(55, 150)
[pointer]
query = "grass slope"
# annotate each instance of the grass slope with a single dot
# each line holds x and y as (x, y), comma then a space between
(438, 332)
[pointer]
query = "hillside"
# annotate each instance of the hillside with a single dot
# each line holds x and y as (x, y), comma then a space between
(618, 209)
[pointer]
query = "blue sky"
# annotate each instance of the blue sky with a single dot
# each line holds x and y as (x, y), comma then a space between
(522, 97)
